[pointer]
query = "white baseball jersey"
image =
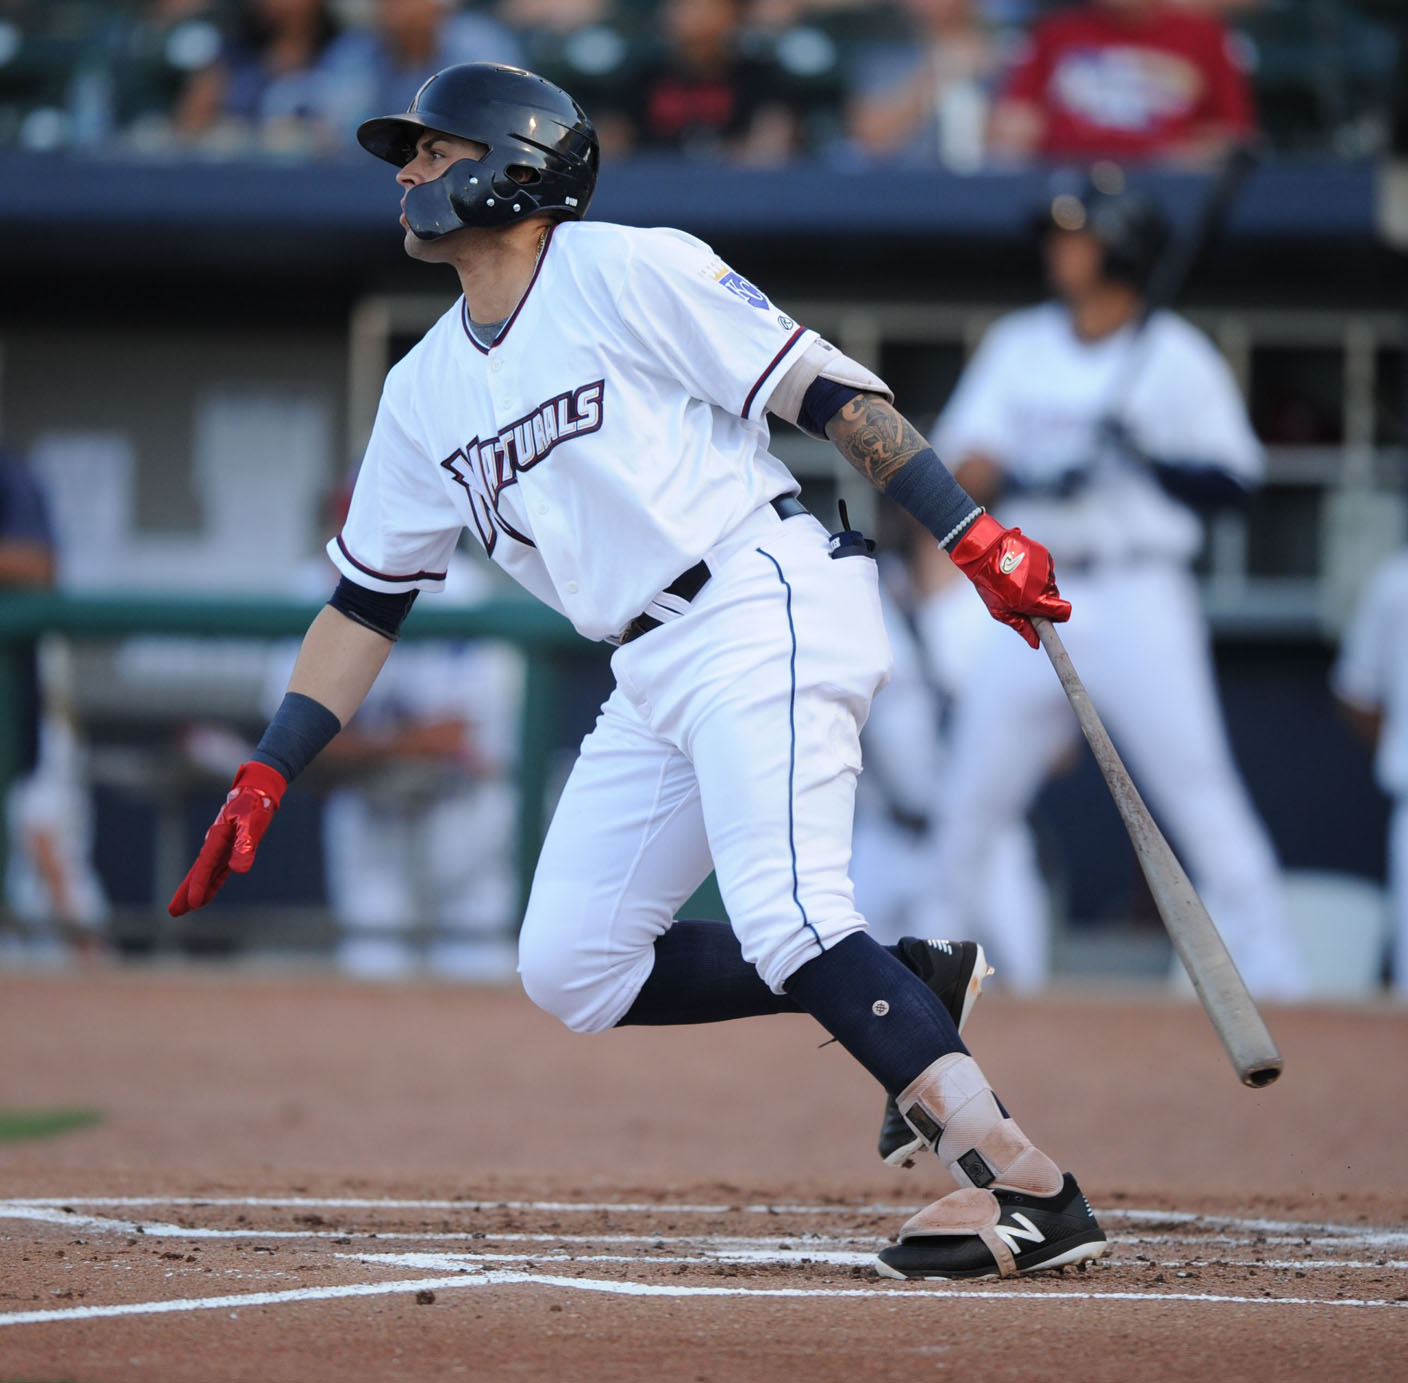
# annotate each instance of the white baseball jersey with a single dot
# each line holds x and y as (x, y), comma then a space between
(608, 439)
(1031, 397)
(1372, 669)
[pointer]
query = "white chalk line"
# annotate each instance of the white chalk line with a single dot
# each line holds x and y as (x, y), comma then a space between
(709, 1252)
(707, 1257)
(1344, 1236)
(930, 1292)
(237, 1301)
(712, 1248)
(154, 1229)
(812, 1247)
(1294, 1229)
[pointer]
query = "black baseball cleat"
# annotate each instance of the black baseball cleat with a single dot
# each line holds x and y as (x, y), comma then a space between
(955, 971)
(1032, 1233)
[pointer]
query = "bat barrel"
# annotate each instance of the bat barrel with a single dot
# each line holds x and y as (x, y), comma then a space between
(1219, 986)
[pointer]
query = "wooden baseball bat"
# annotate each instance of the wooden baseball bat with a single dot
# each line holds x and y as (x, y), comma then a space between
(1200, 946)
(1170, 274)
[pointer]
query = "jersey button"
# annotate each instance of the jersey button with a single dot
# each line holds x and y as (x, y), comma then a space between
(541, 507)
(496, 365)
(571, 588)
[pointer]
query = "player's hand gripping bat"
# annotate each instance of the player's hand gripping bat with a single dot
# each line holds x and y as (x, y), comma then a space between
(1200, 947)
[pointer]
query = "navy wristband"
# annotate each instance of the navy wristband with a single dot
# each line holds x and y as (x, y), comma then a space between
(924, 487)
(300, 730)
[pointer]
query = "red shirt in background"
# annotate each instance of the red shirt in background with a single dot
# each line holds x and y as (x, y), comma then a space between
(1124, 86)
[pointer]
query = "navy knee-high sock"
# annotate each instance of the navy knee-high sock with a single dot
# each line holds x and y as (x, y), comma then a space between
(700, 976)
(877, 1008)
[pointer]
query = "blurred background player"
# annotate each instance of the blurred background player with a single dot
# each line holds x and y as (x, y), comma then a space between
(1370, 680)
(1118, 483)
(50, 884)
(419, 818)
(935, 632)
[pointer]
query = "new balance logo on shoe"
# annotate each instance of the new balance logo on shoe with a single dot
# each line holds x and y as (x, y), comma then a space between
(1023, 1229)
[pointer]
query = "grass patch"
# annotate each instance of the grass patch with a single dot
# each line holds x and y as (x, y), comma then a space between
(16, 1125)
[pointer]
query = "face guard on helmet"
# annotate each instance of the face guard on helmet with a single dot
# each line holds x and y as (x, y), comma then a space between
(542, 150)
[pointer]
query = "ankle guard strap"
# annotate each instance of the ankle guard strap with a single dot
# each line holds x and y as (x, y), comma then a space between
(952, 1108)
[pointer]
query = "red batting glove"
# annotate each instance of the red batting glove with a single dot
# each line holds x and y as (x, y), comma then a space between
(234, 836)
(1012, 573)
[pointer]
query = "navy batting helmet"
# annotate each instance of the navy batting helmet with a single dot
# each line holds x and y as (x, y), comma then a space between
(1129, 225)
(542, 150)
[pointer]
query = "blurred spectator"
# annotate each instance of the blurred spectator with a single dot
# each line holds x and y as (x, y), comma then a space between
(927, 98)
(264, 87)
(1370, 681)
(1132, 79)
(139, 63)
(1326, 73)
(376, 71)
(701, 95)
(49, 879)
(588, 47)
(74, 72)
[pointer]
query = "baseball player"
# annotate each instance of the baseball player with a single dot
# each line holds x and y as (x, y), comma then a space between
(594, 406)
(419, 812)
(1370, 680)
(1118, 486)
(934, 629)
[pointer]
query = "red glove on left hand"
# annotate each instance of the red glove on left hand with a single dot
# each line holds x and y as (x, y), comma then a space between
(233, 837)
(1012, 573)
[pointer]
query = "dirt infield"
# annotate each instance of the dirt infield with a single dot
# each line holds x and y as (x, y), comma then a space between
(298, 1178)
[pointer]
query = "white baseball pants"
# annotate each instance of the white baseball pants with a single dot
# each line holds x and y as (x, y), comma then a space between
(732, 738)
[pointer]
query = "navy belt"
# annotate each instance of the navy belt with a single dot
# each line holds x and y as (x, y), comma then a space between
(688, 584)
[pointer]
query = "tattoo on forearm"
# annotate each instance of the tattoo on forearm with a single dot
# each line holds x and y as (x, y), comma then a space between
(876, 439)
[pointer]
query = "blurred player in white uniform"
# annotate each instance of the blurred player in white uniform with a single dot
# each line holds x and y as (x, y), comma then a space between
(418, 825)
(937, 631)
(1117, 486)
(594, 407)
(50, 881)
(1370, 678)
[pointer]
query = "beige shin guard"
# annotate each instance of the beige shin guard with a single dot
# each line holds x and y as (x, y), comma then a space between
(951, 1106)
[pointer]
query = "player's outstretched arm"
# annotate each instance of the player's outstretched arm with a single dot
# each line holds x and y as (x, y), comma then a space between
(338, 663)
(1013, 573)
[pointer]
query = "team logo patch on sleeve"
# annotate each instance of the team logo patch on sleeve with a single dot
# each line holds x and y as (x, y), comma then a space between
(741, 288)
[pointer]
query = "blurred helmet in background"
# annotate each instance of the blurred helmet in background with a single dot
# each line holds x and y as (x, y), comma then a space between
(1129, 225)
